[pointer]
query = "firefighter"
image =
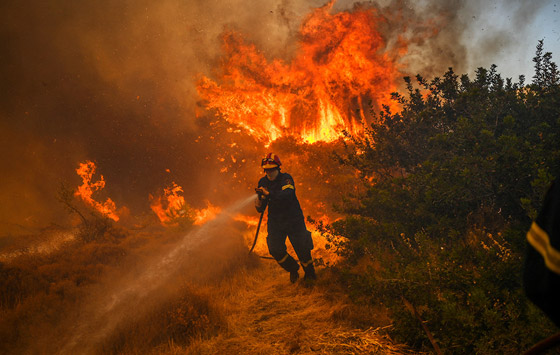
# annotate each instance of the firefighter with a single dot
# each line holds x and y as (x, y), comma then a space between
(542, 262)
(285, 219)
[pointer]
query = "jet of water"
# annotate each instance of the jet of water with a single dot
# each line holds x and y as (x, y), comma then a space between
(95, 324)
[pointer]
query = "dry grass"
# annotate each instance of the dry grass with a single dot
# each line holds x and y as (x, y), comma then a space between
(218, 300)
(265, 314)
(45, 241)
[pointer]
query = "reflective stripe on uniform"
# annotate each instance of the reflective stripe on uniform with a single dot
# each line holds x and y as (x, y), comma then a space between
(306, 264)
(288, 187)
(283, 259)
(539, 239)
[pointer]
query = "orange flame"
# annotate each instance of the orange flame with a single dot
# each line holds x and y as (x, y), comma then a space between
(85, 191)
(341, 71)
(175, 207)
(251, 221)
(206, 214)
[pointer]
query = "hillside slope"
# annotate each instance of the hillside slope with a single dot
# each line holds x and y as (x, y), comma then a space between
(265, 314)
(197, 293)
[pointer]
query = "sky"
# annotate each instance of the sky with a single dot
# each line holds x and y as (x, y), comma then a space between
(515, 55)
(114, 81)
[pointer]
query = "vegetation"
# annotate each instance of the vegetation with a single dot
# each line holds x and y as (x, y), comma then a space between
(436, 235)
(44, 295)
(451, 185)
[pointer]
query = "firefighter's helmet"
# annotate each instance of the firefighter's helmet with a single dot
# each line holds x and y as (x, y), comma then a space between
(271, 161)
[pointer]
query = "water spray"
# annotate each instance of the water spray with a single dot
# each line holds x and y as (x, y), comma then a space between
(94, 324)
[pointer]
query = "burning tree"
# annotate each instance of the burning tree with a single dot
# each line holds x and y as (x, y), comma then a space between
(342, 70)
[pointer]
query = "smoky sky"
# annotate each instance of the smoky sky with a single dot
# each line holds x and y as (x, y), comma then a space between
(114, 82)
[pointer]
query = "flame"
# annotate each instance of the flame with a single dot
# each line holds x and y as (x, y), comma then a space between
(206, 214)
(175, 207)
(341, 72)
(172, 209)
(250, 221)
(85, 191)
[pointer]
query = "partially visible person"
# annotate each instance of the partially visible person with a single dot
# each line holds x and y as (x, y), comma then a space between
(285, 219)
(542, 263)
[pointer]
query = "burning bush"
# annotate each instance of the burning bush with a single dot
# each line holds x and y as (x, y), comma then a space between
(88, 187)
(171, 208)
(96, 225)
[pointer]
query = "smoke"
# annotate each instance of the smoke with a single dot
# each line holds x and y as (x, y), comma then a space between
(110, 82)
(500, 32)
(114, 82)
(464, 35)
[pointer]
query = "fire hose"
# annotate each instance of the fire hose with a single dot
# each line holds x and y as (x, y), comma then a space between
(257, 234)
(258, 229)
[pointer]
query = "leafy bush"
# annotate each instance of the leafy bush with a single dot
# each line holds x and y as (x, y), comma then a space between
(452, 182)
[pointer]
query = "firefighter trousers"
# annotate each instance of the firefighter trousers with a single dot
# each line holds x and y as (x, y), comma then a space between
(300, 239)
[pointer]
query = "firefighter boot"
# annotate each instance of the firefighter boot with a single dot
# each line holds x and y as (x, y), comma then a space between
(294, 276)
(309, 271)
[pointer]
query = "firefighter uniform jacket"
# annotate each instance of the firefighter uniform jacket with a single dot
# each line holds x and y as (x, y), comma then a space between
(284, 210)
(285, 219)
(542, 265)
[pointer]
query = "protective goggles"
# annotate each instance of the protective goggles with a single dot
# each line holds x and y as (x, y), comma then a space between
(269, 163)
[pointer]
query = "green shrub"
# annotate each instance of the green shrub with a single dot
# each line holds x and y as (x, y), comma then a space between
(452, 182)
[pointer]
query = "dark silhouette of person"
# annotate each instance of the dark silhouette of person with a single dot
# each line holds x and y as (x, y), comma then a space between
(542, 262)
(285, 219)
